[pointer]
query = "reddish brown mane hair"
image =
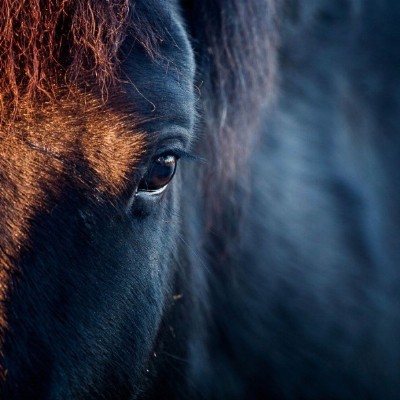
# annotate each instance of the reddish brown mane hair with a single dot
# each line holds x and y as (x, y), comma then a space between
(45, 44)
(50, 44)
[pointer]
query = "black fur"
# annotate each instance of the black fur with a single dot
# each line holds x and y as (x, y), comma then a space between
(269, 270)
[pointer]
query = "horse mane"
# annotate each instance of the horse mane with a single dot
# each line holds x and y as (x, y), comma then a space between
(236, 47)
(46, 45)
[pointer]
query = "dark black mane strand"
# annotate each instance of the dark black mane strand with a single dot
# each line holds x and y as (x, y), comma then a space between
(235, 45)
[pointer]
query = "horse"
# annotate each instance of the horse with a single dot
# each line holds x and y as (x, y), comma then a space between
(198, 199)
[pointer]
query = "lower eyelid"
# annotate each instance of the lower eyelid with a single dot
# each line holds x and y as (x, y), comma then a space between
(152, 192)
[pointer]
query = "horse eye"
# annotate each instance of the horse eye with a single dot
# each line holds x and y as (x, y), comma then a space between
(159, 174)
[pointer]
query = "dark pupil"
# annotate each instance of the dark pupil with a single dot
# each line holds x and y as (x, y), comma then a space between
(161, 172)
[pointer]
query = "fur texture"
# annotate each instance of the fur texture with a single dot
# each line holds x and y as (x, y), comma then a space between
(269, 271)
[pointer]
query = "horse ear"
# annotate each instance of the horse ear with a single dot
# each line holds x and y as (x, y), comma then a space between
(235, 46)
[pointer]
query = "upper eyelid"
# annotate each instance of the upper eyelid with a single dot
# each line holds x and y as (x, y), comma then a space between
(177, 152)
(175, 146)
